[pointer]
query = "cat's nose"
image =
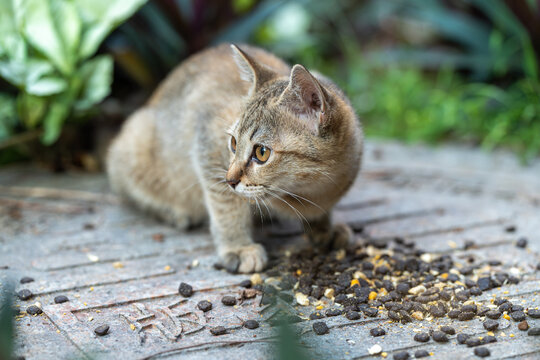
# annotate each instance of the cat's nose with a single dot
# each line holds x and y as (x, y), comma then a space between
(233, 182)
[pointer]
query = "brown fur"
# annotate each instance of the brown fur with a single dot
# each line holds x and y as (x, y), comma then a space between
(173, 156)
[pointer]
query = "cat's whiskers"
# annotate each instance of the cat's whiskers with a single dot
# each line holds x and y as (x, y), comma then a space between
(299, 198)
(301, 217)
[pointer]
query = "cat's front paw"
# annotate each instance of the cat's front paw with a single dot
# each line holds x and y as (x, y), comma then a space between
(246, 259)
(342, 235)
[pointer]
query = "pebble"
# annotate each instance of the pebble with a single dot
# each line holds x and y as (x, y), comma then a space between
(448, 329)
(522, 243)
(377, 332)
(204, 305)
(375, 349)
(518, 315)
(185, 290)
(439, 336)
(60, 299)
(482, 352)
(534, 313)
(25, 294)
(421, 337)
(228, 300)
(251, 324)
(218, 330)
(33, 310)
(535, 331)
(102, 330)
(523, 326)
(320, 328)
(421, 354)
(491, 325)
(464, 316)
(26, 280)
(402, 355)
(493, 314)
(352, 315)
(462, 338)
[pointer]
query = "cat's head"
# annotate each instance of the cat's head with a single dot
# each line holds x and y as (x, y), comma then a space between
(298, 137)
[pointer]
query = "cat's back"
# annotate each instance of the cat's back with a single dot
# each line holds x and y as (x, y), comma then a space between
(211, 74)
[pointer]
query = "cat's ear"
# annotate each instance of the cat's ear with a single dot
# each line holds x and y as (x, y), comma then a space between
(305, 97)
(250, 70)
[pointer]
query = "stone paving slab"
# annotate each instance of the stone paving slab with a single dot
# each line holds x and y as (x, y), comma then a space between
(122, 268)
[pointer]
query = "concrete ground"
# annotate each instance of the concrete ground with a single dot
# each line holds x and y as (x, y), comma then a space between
(120, 268)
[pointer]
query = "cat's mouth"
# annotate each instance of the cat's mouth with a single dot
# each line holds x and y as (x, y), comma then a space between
(250, 191)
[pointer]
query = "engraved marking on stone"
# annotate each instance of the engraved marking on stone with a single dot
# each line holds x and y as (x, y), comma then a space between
(171, 323)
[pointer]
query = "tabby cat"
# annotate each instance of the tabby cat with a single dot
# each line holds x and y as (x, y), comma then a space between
(232, 131)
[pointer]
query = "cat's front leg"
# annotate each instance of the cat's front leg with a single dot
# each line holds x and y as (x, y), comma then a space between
(231, 227)
(323, 235)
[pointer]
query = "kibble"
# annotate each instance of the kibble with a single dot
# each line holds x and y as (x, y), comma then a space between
(402, 355)
(228, 300)
(33, 310)
(204, 305)
(377, 332)
(333, 312)
(421, 354)
(439, 336)
(25, 294)
(246, 284)
(185, 290)
(102, 330)
(60, 299)
(522, 243)
(473, 341)
(26, 280)
(493, 314)
(218, 330)
(482, 352)
(462, 338)
(352, 315)
(421, 337)
(518, 315)
(491, 325)
(320, 328)
(523, 326)
(251, 324)
(535, 331)
(534, 313)
(465, 316)
(316, 315)
(448, 330)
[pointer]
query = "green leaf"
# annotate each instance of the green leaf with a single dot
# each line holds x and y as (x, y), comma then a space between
(100, 17)
(96, 75)
(46, 86)
(41, 31)
(69, 26)
(55, 118)
(31, 109)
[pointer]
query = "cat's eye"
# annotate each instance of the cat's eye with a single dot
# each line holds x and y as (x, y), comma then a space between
(261, 153)
(233, 144)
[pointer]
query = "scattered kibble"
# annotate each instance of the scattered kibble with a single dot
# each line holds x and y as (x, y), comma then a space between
(26, 280)
(251, 324)
(448, 330)
(535, 331)
(482, 352)
(102, 330)
(25, 294)
(522, 243)
(439, 336)
(33, 310)
(491, 325)
(218, 330)
(228, 300)
(185, 290)
(377, 332)
(204, 305)
(421, 354)
(402, 355)
(320, 328)
(60, 299)
(421, 337)
(246, 284)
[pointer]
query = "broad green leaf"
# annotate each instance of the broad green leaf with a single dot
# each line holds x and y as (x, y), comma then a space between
(46, 86)
(101, 17)
(69, 26)
(35, 69)
(13, 72)
(31, 109)
(96, 75)
(53, 121)
(41, 31)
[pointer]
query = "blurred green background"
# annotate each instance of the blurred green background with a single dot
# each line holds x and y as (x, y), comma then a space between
(431, 71)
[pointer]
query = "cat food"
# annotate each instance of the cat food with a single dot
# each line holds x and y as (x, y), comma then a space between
(535, 331)
(251, 324)
(491, 325)
(448, 330)
(482, 352)
(421, 337)
(440, 336)
(185, 290)
(421, 354)
(102, 330)
(60, 299)
(33, 310)
(26, 280)
(204, 305)
(218, 330)
(522, 243)
(377, 332)
(534, 313)
(320, 328)
(402, 355)
(246, 284)
(518, 315)
(352, 315)
(25, 294)
(228, 300)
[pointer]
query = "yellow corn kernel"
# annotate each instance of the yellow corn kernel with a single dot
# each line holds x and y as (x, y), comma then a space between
(372, 295)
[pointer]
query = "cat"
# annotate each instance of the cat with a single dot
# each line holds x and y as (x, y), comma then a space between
(232, 130)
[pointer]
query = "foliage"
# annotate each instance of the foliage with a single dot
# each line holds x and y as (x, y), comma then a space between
(494, 99)
(46, 50)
